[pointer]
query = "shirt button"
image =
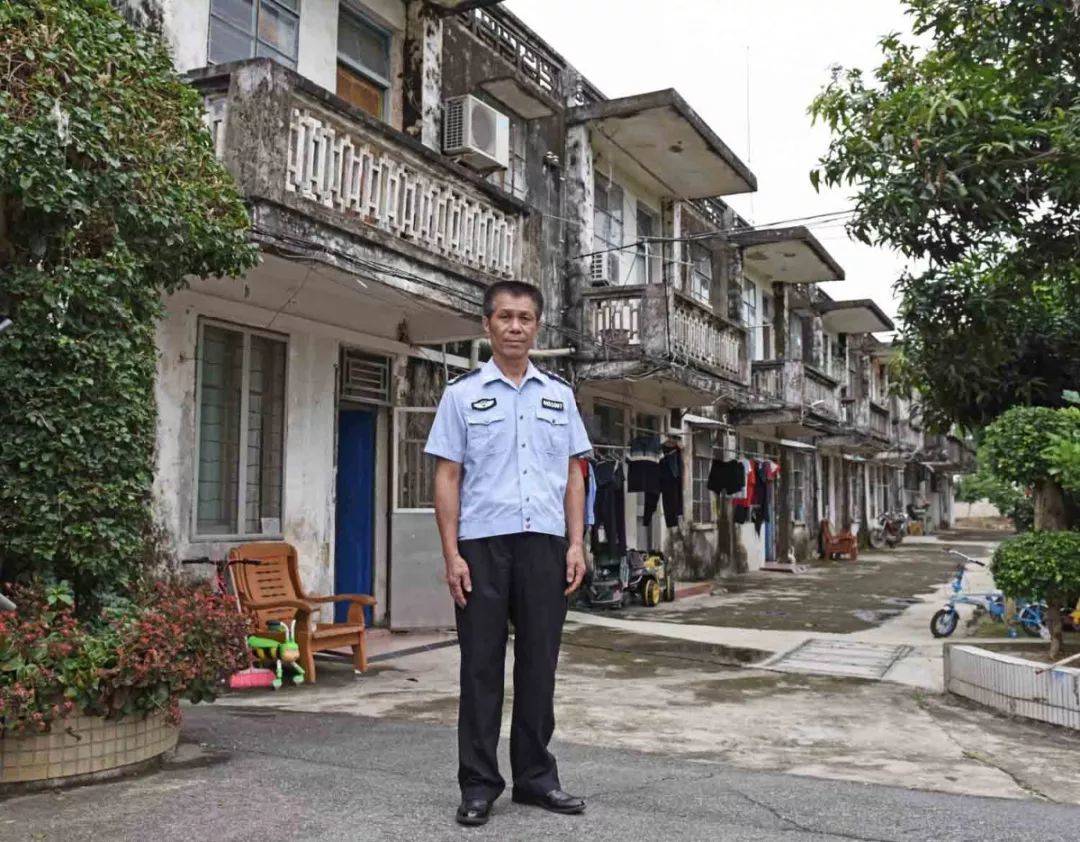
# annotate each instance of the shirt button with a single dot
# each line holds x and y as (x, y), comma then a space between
(522, 417)
(525, 471)
(523, 444)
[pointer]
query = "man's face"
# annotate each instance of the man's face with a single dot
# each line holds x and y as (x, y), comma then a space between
(513, 325)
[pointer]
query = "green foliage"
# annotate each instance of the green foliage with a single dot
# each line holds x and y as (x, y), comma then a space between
(1006, 497)
(110, 195)
(966, 155)
(1019, 447)
(1043, 565)
(169, 641)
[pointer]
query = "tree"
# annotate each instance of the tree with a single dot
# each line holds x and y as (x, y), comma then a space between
(1022, 446)
(110, 196)
(1041, 565)
(1007, 497)
(966, 158)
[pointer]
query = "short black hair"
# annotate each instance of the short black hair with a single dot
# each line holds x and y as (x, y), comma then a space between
(517, 289)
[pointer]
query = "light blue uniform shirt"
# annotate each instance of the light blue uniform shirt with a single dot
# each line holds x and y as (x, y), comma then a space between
(514, 444)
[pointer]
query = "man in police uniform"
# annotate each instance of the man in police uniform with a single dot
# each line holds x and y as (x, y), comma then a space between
(510, 504)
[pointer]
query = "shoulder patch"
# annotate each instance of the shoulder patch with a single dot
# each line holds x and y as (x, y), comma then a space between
(461, 377)
(555, 377)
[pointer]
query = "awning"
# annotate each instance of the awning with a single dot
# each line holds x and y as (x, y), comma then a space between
(856, 316)
(662, 141)
(786, 255)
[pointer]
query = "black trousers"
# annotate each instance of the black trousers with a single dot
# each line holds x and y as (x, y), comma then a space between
(518, 578)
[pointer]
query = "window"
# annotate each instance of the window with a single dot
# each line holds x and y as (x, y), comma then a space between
(512, 179)
(242, 29)
(795, 334)
(798, 489)
(241, 432)
(363, 71)
(750, 320)
(647, 255)
(607, 215)
(766, 327)
(701, 463)
(610, 424)
(699, 276)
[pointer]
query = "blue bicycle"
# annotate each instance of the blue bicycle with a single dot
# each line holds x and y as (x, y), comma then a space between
(1030, 615)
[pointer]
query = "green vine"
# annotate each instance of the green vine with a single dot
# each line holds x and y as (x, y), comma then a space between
(110, 196)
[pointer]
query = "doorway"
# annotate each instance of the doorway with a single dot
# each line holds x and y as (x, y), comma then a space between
(354, 538)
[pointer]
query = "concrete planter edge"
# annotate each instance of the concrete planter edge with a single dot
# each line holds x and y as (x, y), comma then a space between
(84, 749)
(1010, 684)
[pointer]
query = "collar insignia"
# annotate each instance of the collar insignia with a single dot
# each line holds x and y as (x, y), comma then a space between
(483, 403)
(548, 403)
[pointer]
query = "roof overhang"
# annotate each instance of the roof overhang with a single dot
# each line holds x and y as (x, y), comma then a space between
(521, 100)
(786, 255)
(666, 140)
(669, 388)
(857, 316)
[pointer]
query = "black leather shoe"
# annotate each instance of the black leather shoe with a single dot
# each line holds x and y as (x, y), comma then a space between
(556, 801)
(473, 812)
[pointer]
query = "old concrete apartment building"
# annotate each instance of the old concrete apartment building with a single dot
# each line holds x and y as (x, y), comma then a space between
(400, 155)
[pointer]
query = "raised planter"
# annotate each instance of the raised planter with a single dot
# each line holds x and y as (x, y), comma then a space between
(85, 747)
(1010, 684)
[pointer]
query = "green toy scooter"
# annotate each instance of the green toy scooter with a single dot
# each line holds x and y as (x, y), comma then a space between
(287, 651)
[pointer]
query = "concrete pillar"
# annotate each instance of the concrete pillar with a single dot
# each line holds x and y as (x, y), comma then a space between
(780, 320)
(422, 88)
(784, 504)
(579, 204)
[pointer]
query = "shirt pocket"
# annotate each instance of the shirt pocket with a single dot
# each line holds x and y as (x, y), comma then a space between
(553, 432)
(483, 430)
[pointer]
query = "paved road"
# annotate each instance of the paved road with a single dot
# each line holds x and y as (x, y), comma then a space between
(267, 775)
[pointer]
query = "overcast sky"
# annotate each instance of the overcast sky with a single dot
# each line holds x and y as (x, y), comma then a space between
(704, 49)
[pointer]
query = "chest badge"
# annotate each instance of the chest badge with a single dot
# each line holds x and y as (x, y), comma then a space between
(483, 403)
(548, 403)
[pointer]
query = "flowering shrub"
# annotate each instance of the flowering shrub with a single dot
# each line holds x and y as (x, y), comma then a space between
(169, 641)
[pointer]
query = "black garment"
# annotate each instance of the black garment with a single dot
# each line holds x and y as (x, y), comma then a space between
(643, 461)
(742, 513)
(760, 484)
(520, 578)
(609, 510)
(726, 477)
(670, 470)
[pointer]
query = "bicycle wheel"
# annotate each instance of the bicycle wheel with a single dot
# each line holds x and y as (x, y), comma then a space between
(944, 622)
(1032, 618)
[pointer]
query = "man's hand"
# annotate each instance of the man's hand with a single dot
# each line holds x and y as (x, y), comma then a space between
(457, 577)
(575, 567)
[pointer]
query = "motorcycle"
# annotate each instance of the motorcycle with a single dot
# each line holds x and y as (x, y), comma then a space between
(890, 530)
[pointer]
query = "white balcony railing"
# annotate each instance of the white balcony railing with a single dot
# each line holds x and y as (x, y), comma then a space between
(706, 338)
(309, 147)
(340, 169)
(616, 320)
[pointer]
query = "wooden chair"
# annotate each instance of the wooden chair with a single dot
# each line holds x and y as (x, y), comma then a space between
(272, 590)
(842, 543)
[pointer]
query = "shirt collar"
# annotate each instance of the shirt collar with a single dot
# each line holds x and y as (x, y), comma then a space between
(490, 372)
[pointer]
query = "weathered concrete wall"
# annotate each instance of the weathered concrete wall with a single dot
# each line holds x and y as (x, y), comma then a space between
(308, 498)
(466, 63)
(423, 61)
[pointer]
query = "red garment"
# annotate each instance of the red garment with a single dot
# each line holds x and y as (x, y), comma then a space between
(748, 493)
(772, 469)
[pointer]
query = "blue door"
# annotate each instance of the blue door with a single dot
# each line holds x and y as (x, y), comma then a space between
(770, 524)
(355, 533)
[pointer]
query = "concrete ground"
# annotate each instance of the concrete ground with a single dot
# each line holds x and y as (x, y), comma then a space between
(666, 718)
(266, 775)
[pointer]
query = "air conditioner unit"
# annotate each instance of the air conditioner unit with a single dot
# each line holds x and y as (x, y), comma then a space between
(604, 269)
(476, 133)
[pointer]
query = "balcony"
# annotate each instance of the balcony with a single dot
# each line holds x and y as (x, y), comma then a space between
(792, 398)
(879, 421)
(327, 180)
(630, 329)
